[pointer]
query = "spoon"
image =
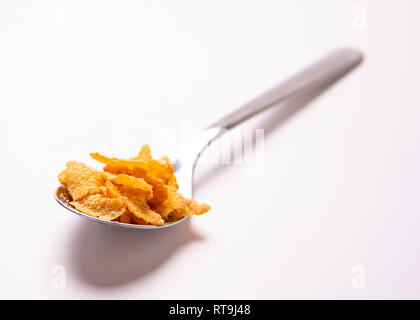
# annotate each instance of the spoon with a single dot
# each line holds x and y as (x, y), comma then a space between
(323, 72)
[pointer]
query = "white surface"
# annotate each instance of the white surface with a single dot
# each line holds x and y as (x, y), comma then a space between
(341, 179)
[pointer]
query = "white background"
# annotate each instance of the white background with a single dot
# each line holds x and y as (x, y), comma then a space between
(337, 200)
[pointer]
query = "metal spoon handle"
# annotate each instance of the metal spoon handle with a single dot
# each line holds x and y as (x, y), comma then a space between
(318, 75)
(321, 72)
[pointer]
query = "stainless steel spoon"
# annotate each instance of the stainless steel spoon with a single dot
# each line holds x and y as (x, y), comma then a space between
(325, 71)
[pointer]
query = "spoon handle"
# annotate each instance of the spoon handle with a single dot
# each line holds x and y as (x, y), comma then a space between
(320, 73)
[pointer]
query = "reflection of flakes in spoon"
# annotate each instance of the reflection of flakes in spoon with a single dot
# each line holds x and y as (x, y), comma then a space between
(64, 195)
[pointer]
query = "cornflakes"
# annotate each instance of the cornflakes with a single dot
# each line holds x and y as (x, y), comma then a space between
(140, 190)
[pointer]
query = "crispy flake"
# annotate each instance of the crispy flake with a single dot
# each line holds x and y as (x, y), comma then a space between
(101, 207)
(81, 180)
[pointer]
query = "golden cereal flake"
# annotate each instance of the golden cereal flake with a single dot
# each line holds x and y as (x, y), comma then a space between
(141, 210)
(112, 190)
(125, 217)
(134, 182)
(159, 189)
(144, 154)
(196, 208)
(174, 205)
(101, 207)
(81, 180)
(161, 169)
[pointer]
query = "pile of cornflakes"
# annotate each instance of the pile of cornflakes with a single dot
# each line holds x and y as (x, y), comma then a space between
(141, 190)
